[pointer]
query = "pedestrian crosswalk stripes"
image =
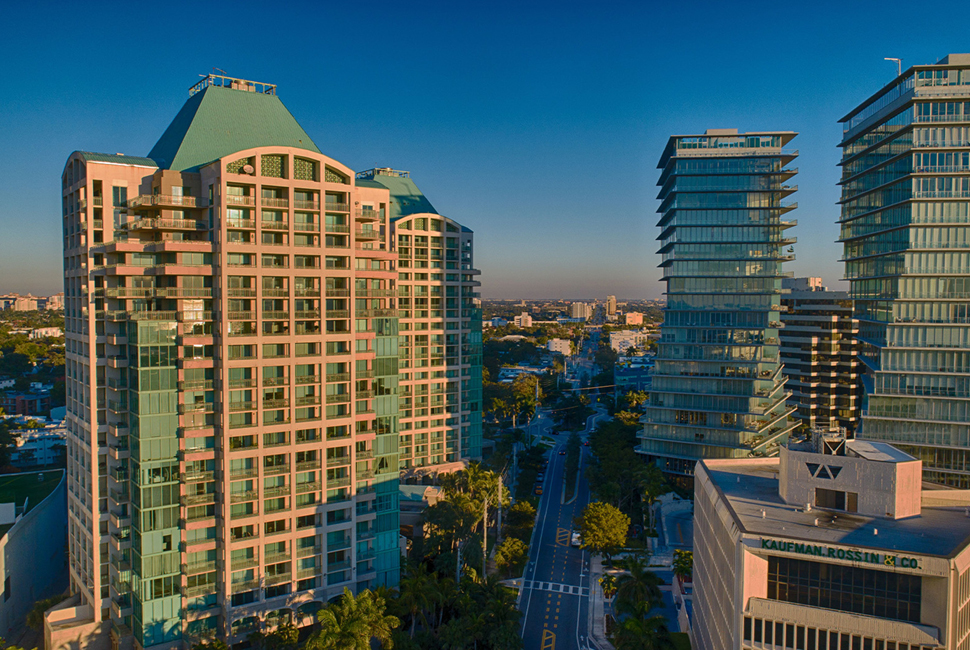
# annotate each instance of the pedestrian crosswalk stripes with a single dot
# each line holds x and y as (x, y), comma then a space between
(539, 585)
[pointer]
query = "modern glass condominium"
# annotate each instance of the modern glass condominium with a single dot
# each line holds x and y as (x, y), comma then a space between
(905, 227)
(718, 390)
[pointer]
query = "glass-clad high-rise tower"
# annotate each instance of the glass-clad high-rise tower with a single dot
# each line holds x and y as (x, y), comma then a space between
(718, 390)
(904, 226)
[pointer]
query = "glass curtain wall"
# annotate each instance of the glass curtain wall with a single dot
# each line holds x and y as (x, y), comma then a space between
(718, 390)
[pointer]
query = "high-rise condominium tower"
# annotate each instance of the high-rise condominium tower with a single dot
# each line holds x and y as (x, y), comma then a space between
(441, 331)
(905, 217)
(233, 367)
(819, 344)
(718, 390)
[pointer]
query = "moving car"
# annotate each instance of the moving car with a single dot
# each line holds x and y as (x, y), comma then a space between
(562, 452)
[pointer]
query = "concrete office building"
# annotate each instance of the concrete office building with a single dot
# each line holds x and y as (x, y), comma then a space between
(580, 310)
(832, 550)
(819, 351)
(440, 321)
(718, 390)
(232, 378)
(904, 227)
(610, 306)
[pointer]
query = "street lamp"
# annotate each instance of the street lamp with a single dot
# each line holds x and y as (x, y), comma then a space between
(899, 64)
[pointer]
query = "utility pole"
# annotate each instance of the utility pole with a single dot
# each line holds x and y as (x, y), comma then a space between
(498, 535)
(458, 566)
(485, 542)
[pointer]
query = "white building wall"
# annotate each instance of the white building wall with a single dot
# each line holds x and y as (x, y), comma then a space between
(717, 588)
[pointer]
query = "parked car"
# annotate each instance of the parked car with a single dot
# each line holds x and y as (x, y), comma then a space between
(540, 476)
(576, 539)
(538, 490)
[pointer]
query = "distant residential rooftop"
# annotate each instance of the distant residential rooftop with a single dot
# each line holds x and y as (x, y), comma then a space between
(749, 487)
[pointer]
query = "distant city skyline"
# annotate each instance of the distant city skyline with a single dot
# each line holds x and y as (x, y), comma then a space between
(539, 125)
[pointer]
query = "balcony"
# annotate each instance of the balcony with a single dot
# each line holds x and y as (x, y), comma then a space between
(338, 482)
(273, 470)
(274, 225)
(307, 551)
(274, 202)
(246, 472)
(243, 496)
(275, 403)
(279, 579)
(308, 379)
(166, 200)
(165, 224)
(242, 315)
(276, 315)
(279, 491)
(236, 199)
(338, 399)
(248, 224)
(306, 227)
(308, 400)
(305, 465)
(244, 585)
(241, 406)
(333, 206)
(300, 204)
(307, 313)
(307, 292)
(364, 214)
(249, 382)
(367, 234)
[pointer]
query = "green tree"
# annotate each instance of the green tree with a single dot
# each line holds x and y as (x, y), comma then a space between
(608, 583)
(215, 644)
(603, 528)
(683, 564)
(639, 583)
(35, 617)
(416, 597)
(511, 555)
(352, 622)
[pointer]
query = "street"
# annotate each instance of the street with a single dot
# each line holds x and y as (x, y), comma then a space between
(555, 590)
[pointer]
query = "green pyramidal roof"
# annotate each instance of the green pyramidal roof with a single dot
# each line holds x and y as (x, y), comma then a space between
(406, 198)
(219, 121)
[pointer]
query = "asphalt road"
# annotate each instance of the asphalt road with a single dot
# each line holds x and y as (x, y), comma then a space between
(555, 595)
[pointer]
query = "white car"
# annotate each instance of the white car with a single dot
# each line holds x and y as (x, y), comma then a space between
(576, 539)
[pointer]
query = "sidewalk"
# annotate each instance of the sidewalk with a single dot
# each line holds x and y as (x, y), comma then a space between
(597, 606)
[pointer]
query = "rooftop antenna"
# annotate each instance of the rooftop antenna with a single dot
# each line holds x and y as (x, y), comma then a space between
(899, 64)
(223, 72)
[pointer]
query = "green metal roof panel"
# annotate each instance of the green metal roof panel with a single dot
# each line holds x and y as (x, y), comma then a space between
(406, 198)
(118, 158)
(217, 122)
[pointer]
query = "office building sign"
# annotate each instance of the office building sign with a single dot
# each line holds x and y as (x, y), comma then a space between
(834, 552)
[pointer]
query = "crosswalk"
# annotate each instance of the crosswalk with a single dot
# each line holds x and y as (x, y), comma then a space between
(557, 587)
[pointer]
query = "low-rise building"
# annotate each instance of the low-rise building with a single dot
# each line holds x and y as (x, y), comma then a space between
(18, 403)
(33, 541)
(625, 339)
(833, 544)
(633, 318)
(45, 332)
(560, 346)
(523, 320)
(39, 447)
(633, 373)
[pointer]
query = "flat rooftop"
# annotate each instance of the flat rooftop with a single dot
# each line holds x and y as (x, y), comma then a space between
(27, 488)
(750, 486)
(878, 451)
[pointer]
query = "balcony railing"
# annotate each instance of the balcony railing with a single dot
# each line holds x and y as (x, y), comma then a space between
(308, 379)
(269, 202)
(300, 204)
(167, 200)
(275, 225)
(333, 206)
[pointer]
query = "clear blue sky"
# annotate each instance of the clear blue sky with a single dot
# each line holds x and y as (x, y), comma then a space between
(537, 124)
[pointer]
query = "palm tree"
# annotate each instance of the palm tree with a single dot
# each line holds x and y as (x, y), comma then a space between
(351, 623)
(640, 631)
(415, 598)
(640, 584)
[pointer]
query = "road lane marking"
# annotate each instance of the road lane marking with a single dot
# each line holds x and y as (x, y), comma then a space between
(548, 640)
(563, 536)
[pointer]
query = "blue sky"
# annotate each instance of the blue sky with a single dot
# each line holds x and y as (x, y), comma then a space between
(537, 124)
